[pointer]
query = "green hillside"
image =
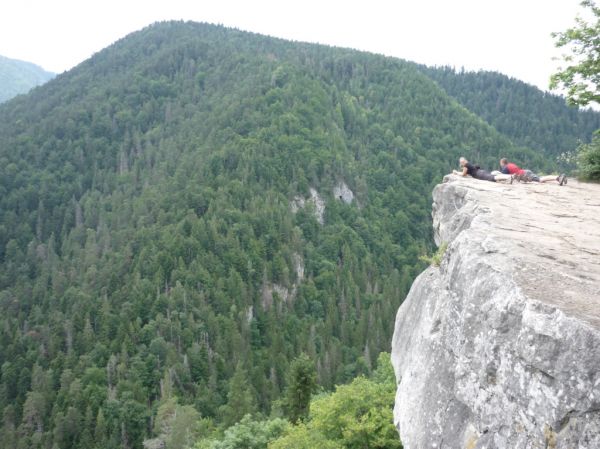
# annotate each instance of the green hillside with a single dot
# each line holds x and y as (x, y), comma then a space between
(160, 235)
(18, 77)
(527, 115)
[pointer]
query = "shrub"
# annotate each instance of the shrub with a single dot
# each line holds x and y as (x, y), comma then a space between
(436, 258)
(588, 160)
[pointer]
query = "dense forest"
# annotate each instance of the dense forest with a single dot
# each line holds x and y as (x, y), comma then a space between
(187, 212)
(525, 114)
(18, 77)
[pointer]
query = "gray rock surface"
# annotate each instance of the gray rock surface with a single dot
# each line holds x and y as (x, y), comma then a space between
(343, 192)
(315, 200)
(499, 347)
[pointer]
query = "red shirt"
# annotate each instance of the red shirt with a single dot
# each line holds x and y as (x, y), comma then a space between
(513, 169)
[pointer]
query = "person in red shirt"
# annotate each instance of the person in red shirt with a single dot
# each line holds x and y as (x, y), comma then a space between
(519, 174)
(510, 169)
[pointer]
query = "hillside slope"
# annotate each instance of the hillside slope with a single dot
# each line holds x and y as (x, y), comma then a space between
(18, 77)
(191, 208)
(523, 113)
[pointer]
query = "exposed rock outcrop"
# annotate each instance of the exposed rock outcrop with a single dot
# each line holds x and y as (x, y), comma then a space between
(343, 193)
(317, 202)
(499, 347)
(284, 293)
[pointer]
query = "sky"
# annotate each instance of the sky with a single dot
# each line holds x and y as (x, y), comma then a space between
(509, 36)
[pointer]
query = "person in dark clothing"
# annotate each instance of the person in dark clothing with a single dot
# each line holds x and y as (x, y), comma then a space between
(476, 172)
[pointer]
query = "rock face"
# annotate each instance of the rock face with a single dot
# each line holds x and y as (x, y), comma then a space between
(499, 347)
(343, 192)
(317, 202)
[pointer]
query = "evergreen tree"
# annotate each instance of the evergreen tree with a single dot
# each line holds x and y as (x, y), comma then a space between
(171, 207)
(302, 381)
(240, 398)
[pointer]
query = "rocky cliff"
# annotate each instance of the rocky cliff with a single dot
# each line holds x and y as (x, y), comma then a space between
(499, 347)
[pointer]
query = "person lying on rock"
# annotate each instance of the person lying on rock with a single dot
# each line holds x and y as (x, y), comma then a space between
(519, 174)
(476, 172)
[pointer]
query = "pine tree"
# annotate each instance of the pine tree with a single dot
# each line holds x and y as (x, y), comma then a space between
(240, 398)
(100, 432)
(302, 381)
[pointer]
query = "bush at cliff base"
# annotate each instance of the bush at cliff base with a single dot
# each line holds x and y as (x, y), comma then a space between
(354, 416)
(588, 160)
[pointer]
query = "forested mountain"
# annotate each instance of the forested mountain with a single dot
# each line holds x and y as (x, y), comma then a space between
(524, 113)
(187, 211)
(17, 77)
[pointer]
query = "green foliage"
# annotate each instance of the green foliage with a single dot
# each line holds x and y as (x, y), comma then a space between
(176, 426)
(357, 415)
(240, 400)
(247, 434)
(580, 75)
(588, 158)
(303, 436)
(384, 373)
(528, 116)
(436, 258)
(580, 79)
(148, 244)
(17, 77)
(302, 381)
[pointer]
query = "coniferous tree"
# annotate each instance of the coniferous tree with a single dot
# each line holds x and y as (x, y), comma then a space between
(169, 208)
(302, 381)
(240, 398)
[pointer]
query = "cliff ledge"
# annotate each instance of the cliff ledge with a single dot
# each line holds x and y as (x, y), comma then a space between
(499, 347)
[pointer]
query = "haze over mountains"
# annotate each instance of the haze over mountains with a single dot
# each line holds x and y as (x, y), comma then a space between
(196, 205)
(18, 77)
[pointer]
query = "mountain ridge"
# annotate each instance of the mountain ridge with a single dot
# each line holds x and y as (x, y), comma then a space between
(524, 113)
(18, 77)
(151, 240)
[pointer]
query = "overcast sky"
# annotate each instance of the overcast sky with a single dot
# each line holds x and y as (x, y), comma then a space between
(510, 36)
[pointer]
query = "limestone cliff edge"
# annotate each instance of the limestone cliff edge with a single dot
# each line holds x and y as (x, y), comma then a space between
(499, 347)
